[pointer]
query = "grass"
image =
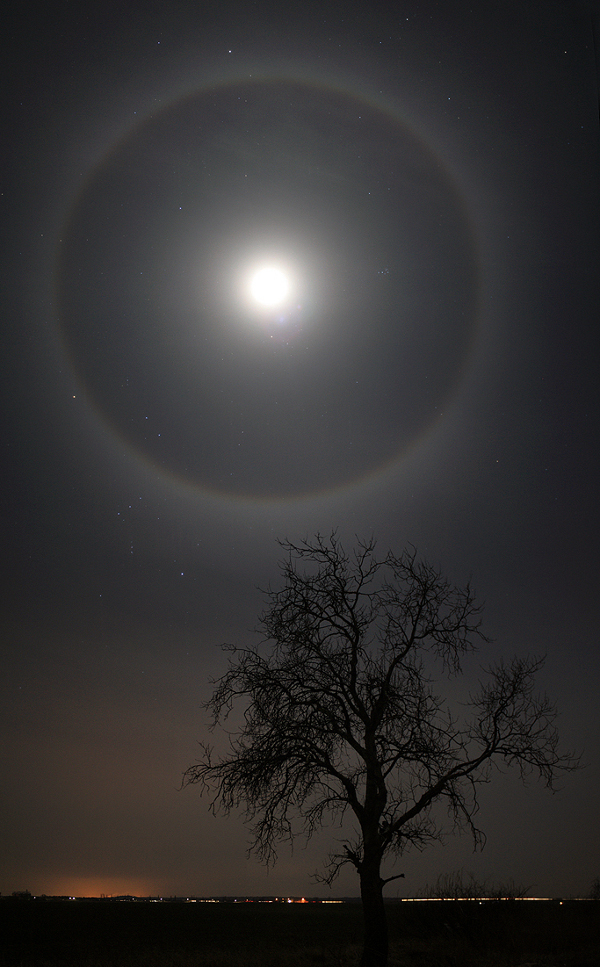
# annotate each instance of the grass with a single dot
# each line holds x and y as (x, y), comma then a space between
(445, 934)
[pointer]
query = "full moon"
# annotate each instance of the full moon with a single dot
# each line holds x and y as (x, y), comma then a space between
(269, 286)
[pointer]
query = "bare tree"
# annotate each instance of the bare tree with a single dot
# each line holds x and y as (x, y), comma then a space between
(594, 893)
(460, 885)
(341, 720)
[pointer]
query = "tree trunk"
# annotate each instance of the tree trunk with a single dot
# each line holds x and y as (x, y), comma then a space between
(375, 949)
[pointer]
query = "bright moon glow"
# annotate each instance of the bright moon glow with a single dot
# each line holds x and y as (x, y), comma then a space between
(269, 286)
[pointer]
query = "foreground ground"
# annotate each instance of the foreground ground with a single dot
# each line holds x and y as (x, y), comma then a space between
(445, 934)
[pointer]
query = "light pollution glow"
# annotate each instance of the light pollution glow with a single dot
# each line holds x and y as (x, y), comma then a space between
(95, 886)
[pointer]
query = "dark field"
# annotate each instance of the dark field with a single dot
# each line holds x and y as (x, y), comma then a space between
(442, 934)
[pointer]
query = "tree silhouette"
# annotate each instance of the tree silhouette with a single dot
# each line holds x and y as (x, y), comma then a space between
(340, 718)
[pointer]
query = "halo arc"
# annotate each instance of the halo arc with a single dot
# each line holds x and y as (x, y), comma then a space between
(362, 476)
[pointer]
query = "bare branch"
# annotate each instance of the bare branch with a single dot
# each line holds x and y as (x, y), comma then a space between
(340, 718)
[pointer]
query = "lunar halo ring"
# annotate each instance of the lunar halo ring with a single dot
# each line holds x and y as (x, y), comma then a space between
(371, 467)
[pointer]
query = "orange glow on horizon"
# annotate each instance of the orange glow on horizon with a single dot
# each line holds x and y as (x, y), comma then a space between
(81, 886)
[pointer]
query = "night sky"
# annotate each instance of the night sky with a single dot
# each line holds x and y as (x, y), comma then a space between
(425, 176)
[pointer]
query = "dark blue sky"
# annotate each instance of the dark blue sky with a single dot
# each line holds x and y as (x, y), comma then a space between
(429, 176)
